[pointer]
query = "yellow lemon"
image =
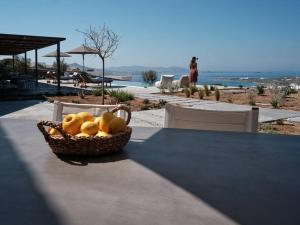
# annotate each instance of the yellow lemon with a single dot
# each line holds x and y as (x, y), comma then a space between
(117, 125)
(85, 116)
(82, 135)
(102, 134)
(97, 121)
(72, 123)
(89, 127)
(106, 117)
(53, 131)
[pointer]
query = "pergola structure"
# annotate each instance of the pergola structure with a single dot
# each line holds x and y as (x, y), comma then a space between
(12, 44)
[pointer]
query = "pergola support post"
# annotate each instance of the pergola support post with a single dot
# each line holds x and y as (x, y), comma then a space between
(58, 66)
(36, 68)
(25, 62)
(83, 62)
(13, 63)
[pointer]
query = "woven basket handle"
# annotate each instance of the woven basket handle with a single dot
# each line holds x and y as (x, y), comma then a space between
(41, 125)
(126, 109)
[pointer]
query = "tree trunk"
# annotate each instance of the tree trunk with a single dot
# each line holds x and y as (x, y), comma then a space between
(102, 81)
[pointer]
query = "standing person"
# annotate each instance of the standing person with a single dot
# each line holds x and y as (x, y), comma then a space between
(193, 75)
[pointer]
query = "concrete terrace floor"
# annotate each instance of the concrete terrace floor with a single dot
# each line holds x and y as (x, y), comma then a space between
(37, 110)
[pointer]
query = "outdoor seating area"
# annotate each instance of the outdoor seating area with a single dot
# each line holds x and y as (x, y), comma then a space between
(85, 78)
(167, 82)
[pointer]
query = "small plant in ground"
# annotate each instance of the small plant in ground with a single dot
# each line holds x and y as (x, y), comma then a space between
(217, 94)
(120, 95)
(146, 101)
(286, 91)
(149, 77)
(156, 106)
(193, 89)
(162, 102)
(145, 107)
(97, 91)
(81, 94)
(252, 97)
(187, 92)
(230, 99)
(275, 102)
(280, 122)
(278, 95)
(206, 90)
(201, 93)
(260, 89)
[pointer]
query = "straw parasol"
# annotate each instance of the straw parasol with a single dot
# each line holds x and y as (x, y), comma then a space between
(82, 50)
(54, 54)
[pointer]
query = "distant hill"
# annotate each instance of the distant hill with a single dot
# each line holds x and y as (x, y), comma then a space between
(136, 70)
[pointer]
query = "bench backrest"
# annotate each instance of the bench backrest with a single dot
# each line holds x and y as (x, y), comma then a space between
(63, 108)
(177, 116)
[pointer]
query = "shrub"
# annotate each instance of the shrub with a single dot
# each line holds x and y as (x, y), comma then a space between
(240, 86)
(212, 88)
(162, 102)
(187, 92)
(146, 101)
(280, 122)
(149, 77)
(145, 107)
(275, 101)
(252, 97)
(97, 91)
(288, 90)
(206, 90)
(201, 93)
(193, 89)
(217, 94)
(260, 89)
(120, 95)
(81, 94)
(278, 95)
(156, 106)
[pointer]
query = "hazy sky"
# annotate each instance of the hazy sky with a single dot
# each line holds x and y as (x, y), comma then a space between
(225, 34)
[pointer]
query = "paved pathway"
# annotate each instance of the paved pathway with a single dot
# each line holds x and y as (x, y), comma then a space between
(265, 114)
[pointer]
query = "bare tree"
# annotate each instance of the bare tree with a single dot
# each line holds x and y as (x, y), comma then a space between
(105, 42)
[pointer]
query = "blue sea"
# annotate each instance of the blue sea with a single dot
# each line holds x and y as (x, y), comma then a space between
(224, 78)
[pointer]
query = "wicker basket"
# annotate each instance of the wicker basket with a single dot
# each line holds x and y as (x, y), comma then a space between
(66, 144)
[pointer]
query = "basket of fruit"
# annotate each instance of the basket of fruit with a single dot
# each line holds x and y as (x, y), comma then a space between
(81, 134)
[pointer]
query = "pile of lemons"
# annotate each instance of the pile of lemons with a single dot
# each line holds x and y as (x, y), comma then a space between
(83, 124)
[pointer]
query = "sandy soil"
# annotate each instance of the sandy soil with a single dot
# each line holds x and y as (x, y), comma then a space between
(285, 128)
(291, 102)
